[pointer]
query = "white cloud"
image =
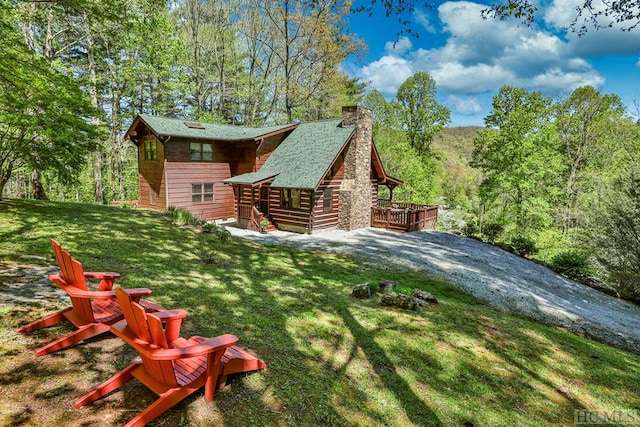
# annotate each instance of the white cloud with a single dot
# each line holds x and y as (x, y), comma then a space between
(562, 13)
(467, 106)
(481, 55)
(386, 74)
(423, 19)
(398, 48)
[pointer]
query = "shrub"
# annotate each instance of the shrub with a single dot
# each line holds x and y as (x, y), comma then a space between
(492, 231)
(524, 246)
(626, 283)
(572, 264)
(182, 216)
(470, 229)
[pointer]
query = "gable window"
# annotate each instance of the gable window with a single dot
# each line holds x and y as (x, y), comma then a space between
(151, 150)
(202, 192)
(201, 151)
(290, 198)
(327, 199)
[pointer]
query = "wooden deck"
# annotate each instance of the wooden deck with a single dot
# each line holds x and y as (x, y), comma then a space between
(404, 216)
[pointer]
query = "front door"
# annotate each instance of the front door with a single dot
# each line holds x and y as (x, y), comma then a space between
(264, 200)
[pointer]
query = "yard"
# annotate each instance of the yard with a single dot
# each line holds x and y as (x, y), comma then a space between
(331, 359)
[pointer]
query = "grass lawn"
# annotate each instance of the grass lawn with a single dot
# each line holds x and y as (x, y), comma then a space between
(331, 359)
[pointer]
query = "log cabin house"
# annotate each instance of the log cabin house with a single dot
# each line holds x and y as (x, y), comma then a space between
(298, 177)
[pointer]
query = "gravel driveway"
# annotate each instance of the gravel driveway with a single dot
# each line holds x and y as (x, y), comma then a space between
(501, 279)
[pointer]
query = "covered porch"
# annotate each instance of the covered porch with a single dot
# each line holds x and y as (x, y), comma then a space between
(399, 216)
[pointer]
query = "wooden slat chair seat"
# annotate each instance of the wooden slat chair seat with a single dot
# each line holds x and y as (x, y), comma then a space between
(92, 312)
(170, 366)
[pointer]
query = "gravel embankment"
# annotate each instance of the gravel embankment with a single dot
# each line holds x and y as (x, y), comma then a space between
(501, 279)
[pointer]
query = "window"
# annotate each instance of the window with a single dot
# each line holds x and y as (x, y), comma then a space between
(151, 150)
(202, 192)
(290, 198)
(327, 199)
(201, 151)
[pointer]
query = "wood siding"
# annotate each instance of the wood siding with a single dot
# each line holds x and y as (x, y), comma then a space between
(290, 219)
(151, 177)
(180, 176)
(321, 219)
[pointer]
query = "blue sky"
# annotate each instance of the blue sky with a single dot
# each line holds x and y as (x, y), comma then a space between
(471, 58)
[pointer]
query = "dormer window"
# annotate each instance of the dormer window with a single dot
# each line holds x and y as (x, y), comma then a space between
(201, 151)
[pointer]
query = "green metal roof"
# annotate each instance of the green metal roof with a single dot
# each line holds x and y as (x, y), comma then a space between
(163, 126)
(303, 158)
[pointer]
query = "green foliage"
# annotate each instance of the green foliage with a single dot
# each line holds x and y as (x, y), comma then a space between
(573, 264)
(182, 216)
(518, 154)
(524, 246)
(471, 229)
(419, 173)
(616, 239)
(492, 231)
(43, 112)
(420, 114)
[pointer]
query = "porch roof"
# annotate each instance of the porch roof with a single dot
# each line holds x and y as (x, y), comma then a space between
(163, 127)
(303, 158)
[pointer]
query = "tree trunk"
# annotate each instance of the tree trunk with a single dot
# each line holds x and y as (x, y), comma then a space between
(93, 94)
(38, 188)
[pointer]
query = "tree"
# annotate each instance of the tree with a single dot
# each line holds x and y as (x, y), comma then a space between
(383, 112)
(615, 237)
(43, 113)
(420, 113)
(586, 124)
(302, 42)
(518, 154)
(418, 171)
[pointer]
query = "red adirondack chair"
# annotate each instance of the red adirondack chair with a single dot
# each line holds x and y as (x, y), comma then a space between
(172, 367)
(92, 312)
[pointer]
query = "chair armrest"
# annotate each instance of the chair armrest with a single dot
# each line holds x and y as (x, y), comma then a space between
(173, 322)
(75, 292)
(167, 315)
(106, 278)
(208, 346)
(102, 275)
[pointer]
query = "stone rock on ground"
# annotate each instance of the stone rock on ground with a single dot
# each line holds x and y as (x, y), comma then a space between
(386, 286)
(427, 297)
(361, 291)
(394, 299)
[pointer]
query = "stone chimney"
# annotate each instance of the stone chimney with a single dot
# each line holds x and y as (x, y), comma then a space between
(355, 191)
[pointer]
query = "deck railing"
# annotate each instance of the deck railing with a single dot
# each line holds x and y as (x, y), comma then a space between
(404, 216)
(249, 216)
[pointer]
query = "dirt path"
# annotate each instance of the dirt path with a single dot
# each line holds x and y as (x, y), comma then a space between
(501, 279)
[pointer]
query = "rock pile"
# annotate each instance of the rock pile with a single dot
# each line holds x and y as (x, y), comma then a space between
(389, 298)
